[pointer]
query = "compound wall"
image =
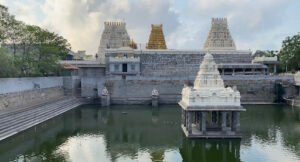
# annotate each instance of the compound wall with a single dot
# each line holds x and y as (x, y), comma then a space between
(22, 92)
(253, 89)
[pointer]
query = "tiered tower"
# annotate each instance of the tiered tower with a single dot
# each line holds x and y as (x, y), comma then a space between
(114, 36)
(219, 36)
(156, 38)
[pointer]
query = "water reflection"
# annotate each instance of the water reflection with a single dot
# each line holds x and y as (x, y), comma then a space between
(135, 133)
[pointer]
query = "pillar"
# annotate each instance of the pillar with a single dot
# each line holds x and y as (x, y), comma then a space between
(223, 120)
(183, 117)
(105, 100)
(223, 71)
(203, 122)
(198, 120)
(189, 124)
(275, 69)
(154, 101)
(236, 121)
(253, 71)
(233, 71)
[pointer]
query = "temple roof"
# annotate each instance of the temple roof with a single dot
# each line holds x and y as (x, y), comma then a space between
(156, 38)
(219, 36)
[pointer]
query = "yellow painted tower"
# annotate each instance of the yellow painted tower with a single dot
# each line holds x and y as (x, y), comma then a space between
(156, 38)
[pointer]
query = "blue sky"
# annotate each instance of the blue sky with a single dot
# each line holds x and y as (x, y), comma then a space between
(254, 24)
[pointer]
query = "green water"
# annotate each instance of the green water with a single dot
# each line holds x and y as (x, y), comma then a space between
(139, 133)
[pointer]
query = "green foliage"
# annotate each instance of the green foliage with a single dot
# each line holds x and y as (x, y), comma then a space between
(289, 55)
(7, 68)
(34, 51)
(268, 53)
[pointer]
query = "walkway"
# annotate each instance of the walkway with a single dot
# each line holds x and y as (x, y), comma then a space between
(17, 120)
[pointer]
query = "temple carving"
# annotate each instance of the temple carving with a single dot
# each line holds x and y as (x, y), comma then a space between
(219, 37)
(156, 38)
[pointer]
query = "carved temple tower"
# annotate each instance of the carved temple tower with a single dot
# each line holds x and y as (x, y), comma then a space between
(156, 38)
(219, 37)
(114, 36)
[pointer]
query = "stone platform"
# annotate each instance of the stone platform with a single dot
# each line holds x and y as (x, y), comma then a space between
(210, 134)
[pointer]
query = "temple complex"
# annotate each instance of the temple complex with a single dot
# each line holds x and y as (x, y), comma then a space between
(156, 38)
(131, 74)
(114, 36)
(219, 37)
(209, 110)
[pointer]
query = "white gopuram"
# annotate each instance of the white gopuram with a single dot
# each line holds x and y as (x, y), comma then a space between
(114, 36)
(209, 110)
(219, 37)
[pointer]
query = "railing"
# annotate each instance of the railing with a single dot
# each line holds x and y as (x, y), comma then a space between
(124, 59)
(265, 59)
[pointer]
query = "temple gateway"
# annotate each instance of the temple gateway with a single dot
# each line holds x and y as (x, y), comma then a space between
(209, 110)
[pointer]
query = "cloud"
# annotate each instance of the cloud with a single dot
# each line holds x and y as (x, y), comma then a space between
(249, 20)
(254, 24)
(82, 22)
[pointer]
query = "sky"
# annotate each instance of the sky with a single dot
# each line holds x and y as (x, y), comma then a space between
(254, 24)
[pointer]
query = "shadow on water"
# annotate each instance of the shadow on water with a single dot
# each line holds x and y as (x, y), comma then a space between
(130, 133)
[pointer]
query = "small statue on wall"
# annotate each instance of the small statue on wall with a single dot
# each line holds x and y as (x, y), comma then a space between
(155, 92)
(104, 92)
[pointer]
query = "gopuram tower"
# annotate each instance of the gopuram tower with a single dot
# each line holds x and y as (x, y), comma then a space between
(219, 37)
(156, 38)
(114, 36)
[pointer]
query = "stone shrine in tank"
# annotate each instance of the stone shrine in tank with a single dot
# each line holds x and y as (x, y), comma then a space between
(209, 110)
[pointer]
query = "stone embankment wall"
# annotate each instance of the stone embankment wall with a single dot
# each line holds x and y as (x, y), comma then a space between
(17, 92)
(182, 65)
(253, 89)
(92, 81)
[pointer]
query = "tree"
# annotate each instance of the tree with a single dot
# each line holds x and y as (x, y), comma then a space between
(7, 68)
(33, 50)
(289, 55)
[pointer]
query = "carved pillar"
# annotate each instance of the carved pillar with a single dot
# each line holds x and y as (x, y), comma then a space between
(223, 120)
(203, 122)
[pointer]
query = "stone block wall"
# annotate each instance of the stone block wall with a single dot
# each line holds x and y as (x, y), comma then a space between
(258, 89)
(182, 65)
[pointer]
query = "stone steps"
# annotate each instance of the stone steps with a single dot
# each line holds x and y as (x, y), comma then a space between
(7, 112)
(20, 121)
(24, 113)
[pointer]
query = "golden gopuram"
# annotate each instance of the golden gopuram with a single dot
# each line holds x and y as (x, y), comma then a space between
(156, 38)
